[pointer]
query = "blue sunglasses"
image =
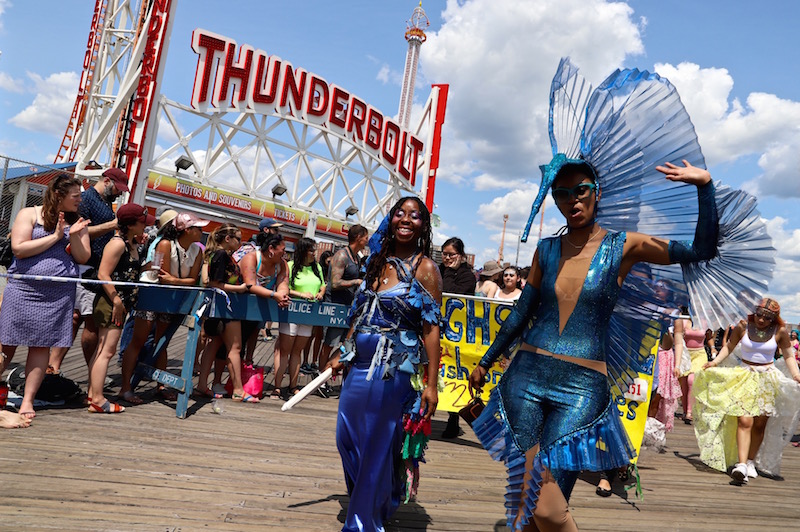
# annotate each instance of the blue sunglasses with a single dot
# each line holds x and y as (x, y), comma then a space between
(579, 192)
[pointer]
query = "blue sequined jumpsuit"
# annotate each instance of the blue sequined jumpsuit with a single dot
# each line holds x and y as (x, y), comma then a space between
(563, 407)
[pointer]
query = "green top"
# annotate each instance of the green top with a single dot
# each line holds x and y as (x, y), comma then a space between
(306, 280)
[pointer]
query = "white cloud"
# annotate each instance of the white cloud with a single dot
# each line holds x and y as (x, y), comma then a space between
(490, 182)
(499, 57)
(784, 286)
(764, 125)
(52, 105)
(4, 4)
(388, 76)
(9, 84)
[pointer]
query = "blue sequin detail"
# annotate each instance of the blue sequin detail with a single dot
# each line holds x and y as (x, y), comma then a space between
(584, 334)
(395, 314)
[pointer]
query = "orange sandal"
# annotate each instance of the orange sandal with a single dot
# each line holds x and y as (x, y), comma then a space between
(106, 408)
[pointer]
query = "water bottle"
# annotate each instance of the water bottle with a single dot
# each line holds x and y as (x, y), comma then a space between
(216, 406)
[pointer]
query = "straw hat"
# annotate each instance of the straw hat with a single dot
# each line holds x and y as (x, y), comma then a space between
(491, 268)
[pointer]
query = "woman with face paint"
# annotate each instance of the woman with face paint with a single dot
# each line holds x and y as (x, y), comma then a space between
(392, 349)
(754, 401)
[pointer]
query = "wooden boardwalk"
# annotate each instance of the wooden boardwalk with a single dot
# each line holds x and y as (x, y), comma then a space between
(256, 468)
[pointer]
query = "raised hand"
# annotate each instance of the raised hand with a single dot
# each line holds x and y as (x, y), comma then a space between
(78, 228)
(687, 173)
(61, 225)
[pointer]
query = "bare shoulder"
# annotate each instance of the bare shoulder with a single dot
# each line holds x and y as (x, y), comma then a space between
(427, 268)
(247, 259)
(428, 274)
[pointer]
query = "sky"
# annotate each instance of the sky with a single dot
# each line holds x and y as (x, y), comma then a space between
(733, 62)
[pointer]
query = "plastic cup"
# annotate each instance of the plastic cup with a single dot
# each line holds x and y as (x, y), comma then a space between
(158, 260)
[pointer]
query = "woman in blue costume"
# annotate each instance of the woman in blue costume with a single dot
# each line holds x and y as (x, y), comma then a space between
(390, 391)
(553, 414)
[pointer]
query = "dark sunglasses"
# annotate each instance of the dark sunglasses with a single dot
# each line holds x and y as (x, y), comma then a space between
(764, 313)
(579, 192)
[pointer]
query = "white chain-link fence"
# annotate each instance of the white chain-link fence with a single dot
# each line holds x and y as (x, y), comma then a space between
(22, 184)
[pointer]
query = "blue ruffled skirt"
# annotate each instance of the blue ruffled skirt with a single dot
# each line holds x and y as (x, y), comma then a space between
(566, 409)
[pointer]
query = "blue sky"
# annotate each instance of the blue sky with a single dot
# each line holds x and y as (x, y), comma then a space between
(734, 64)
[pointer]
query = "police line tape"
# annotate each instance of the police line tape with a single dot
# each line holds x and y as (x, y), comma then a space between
(58, 279)
(299, 311)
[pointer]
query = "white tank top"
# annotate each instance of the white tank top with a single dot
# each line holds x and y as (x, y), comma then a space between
(758, 352)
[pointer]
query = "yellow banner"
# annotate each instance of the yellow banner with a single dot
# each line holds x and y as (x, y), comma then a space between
(471, 323)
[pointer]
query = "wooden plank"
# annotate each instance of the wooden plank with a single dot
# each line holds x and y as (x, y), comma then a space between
(257, 468)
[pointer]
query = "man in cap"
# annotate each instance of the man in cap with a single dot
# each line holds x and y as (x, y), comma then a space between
(269, 226)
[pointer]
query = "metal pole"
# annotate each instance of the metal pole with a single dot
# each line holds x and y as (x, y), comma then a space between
(519, 238)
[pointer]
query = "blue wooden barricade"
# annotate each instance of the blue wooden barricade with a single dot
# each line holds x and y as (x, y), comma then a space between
(196, 304)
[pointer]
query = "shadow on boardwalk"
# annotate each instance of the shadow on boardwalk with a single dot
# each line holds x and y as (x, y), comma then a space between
(256, 468)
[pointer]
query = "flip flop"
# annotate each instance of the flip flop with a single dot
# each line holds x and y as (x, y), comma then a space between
(203, 394)
(244, 398)
(106, 408)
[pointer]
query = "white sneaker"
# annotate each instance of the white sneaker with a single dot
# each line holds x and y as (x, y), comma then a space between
(739, 473)
(751, 469)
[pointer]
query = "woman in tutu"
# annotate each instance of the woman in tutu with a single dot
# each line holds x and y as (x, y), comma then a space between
(738, 408)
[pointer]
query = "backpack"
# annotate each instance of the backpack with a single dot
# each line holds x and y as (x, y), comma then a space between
(54, 387)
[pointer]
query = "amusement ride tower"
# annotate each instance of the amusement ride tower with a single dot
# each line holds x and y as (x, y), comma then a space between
(415, 35)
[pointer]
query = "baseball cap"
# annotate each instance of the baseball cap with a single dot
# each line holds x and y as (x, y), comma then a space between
(268, 223)
(185, 220)
(130, 213)
(119, 177)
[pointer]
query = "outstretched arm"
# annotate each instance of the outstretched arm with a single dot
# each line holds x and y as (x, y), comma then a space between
(738, 332)
(646, 248)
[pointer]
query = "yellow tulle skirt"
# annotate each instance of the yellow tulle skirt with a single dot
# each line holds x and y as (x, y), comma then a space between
(693, 360)
(723, 394)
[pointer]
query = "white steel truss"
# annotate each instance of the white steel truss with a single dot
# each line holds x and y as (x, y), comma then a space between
(112, 37)
(247, 153)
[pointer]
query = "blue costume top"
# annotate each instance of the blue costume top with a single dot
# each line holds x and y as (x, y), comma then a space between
(584, 335)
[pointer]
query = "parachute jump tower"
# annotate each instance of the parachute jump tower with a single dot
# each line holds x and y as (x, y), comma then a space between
(415, 35)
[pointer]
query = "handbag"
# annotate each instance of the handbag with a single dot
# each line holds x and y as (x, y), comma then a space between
(6, 254)
(252, 381)
(473, 409)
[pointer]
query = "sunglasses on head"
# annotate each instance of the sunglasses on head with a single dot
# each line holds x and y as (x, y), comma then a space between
(578, 192)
